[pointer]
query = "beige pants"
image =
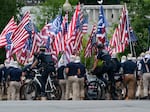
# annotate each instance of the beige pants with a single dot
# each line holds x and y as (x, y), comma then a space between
(130, 81)
(1, 91)
(81, 88)
(146, 81)
(63, 88)
(139, 90)
(72, 86)
(13, 90)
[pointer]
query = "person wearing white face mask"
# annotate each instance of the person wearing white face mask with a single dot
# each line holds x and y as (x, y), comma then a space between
(145, 68)
(129, 69)
(81, 77)
(72, 86)
(14, 82)
(61, 76)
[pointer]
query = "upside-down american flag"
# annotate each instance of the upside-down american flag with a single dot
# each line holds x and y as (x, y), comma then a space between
(24, 54)
(59, 41)
(120, 37)
(22, 33)
(71, 33)
(101, 28)
(88, 49)
(6, 37)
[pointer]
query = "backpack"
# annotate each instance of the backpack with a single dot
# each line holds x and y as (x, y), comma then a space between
(115, 66)
(48, 60)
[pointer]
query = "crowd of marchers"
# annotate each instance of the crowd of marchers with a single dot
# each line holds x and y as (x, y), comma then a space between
(72, 76)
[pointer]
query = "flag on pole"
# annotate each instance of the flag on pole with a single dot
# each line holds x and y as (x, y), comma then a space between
(6, 35)
(71, 33)
(90, 43)
(120, 38)
(85, 25)
(101, 28)
(22, 33)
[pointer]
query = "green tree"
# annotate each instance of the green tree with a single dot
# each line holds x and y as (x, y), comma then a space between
(138, 11)
(8, 8)
(49, 9)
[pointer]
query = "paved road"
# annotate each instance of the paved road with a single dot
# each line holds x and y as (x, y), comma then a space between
(75, 106)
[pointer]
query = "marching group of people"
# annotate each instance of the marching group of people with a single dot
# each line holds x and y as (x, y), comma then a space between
(71, 76)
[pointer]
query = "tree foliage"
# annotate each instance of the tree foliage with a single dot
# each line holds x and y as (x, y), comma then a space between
(50, 9)
(7, 10)
(138, 11)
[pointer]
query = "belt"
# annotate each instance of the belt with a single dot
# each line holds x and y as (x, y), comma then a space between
(128, 74)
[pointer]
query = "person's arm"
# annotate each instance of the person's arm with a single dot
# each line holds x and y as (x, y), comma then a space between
(79, 71)
(34, 64)
(95, 63)
(66, 71)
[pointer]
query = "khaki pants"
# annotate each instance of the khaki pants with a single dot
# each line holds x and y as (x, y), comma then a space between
(139, 90)
(146, 80)
(72, 85)
(130, 81)
(81, 88)
(13, 90)
(1, 91)
(62, 83)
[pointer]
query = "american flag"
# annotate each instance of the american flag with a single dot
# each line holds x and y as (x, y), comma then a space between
(101, 28)
(37, 42)
(56, 25)
(24, 54)
(22, 33)
(121, 35)
(78, 33)
(133, 37)
(6, 35)
(71, 33)
(59, 41)
(53, 27)
(88, 49)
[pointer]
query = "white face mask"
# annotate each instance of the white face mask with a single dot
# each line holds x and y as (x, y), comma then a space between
(122, 61)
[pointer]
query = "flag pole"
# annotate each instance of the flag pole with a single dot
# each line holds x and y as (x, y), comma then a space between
(131, 50)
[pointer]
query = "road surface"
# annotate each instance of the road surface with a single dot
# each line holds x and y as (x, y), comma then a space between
(76, 106)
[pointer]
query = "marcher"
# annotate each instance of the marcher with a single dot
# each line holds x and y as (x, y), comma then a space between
(2, 71)
(81, 77)
(72, 86)
(129, 69)
(145, 68)
(138, 78)
(61, 76)
(14, 84)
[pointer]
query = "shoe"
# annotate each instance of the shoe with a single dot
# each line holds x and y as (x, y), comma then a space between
(43, 98)
(144, 98)
(42, 94)
(70, 99)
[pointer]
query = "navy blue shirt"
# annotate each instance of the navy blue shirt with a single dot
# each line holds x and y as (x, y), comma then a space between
(73, 69)
(14, 73)
(129, 67)
(3, 73)
(82, 70)
(143, 63)
(60, 72)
